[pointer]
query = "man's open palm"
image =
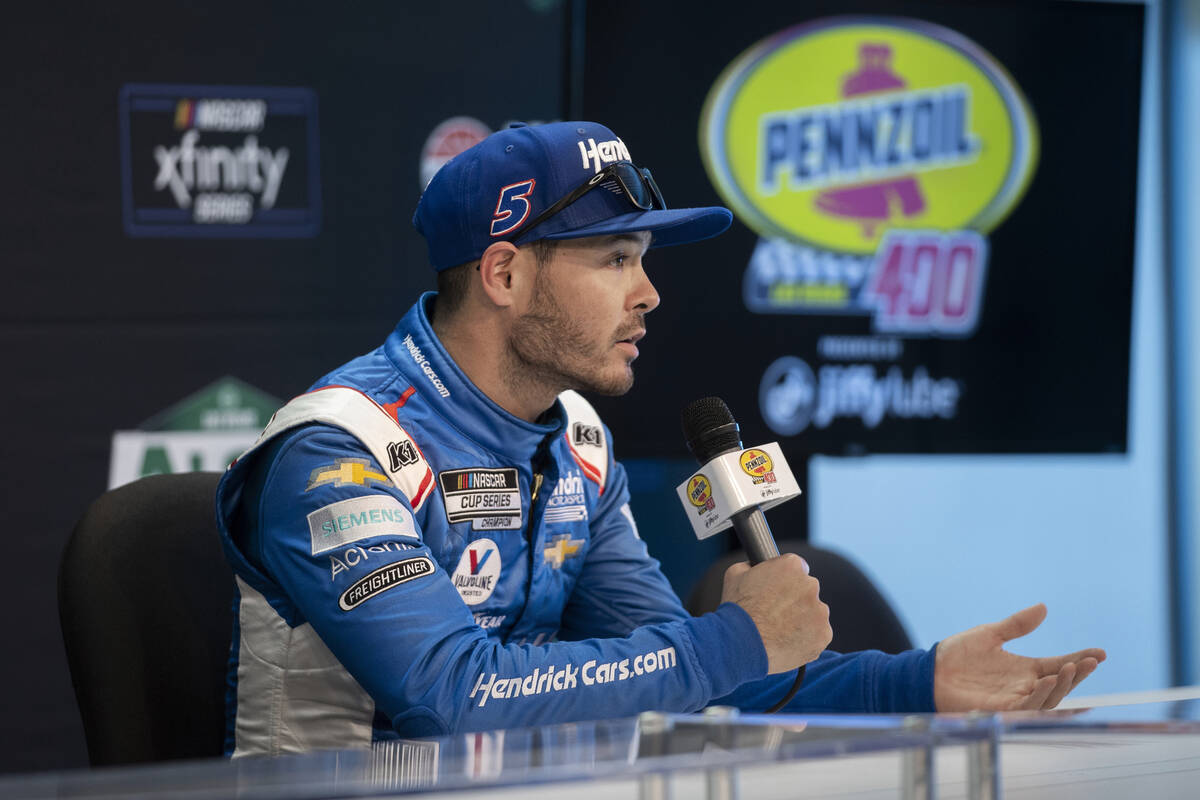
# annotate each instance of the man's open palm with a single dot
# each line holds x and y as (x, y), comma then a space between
(974, 672)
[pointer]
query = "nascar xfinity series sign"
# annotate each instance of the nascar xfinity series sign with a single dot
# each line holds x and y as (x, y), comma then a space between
(934, 218)
(219, 161)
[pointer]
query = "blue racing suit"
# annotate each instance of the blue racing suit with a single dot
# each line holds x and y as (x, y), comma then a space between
(413, 560)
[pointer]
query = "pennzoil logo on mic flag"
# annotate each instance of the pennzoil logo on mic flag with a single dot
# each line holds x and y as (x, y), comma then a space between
(872, 155)
(226, 161)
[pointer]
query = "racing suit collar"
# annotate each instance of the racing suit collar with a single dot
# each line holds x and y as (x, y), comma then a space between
(418, 354)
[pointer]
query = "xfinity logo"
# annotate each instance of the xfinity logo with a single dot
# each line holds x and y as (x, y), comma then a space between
(189, 168)
(219, 161)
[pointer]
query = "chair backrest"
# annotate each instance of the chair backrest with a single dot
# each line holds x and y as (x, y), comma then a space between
(860, 616)
(145, 603)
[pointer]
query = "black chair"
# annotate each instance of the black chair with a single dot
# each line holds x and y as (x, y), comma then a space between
(860, 616)
(145, 603)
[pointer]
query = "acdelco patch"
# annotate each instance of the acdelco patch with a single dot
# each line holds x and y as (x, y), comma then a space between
(358, 518)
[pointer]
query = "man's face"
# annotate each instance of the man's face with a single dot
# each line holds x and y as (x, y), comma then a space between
(581, 326)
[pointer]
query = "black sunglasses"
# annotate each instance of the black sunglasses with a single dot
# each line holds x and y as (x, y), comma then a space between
(635, 183)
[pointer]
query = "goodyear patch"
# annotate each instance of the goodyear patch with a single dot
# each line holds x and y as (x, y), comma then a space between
(359, 518)
(874, 179)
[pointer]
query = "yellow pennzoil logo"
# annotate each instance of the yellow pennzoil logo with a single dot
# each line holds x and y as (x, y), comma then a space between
(872, 155)
(699, 492)
(758, 465)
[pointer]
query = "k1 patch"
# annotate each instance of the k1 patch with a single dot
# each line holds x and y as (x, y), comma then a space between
(385, 578)
(478, 571)
(490, 498)
(358, 518)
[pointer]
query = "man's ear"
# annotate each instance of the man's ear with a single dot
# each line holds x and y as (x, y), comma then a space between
(498, 268)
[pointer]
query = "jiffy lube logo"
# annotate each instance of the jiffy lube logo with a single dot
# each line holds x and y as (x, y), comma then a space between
(872, 155)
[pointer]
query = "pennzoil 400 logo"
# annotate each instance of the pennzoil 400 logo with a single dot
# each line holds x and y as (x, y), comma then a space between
(872, 155)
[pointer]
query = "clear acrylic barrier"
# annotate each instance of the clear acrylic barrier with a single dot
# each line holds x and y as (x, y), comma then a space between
(718, 754)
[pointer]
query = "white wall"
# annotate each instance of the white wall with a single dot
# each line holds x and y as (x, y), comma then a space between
(1184, 165)
(956, 541)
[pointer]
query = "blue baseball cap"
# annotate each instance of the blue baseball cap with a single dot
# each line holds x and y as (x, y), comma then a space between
(487, 193)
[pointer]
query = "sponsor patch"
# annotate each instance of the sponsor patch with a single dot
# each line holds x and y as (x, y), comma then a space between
(346, 472)
(478, 572)
(489, 621)
(402, 454)
(353, 556)
(567, 502)
(561, 548)
(587, 434)
(385, 578)
(568, 676)
(421, 361)
(490, 498)
(231, 161)
(358, 518)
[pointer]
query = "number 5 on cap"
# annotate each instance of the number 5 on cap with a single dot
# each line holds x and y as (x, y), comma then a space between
(512, 208)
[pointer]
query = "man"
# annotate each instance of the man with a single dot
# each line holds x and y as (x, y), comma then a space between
(436, 537)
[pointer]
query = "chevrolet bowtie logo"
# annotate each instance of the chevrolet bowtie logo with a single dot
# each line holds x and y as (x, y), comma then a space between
(561, 548)
(346, 471)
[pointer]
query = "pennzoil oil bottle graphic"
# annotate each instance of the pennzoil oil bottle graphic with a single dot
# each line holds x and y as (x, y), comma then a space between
(872, 203)
(872, 156)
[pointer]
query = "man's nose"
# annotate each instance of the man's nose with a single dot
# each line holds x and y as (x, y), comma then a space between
(645, 296)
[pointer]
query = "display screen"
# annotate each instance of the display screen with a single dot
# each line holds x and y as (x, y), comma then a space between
(934, 209)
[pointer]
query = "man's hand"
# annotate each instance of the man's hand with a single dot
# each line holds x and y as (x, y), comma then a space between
(973, 672)
(782, 599)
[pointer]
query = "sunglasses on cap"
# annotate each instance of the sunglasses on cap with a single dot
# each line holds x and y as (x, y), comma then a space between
(635, 183)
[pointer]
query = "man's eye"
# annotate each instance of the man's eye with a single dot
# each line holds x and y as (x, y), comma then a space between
(619, 260)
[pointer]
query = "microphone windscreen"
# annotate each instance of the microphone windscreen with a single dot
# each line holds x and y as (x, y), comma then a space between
(709, 429)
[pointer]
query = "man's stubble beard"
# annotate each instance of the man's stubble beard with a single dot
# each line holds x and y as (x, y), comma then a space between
(548, 346)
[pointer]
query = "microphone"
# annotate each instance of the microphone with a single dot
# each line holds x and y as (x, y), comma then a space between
(710, 432)
(744, 482)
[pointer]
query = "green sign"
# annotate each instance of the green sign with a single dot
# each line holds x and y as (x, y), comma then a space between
(204, 431)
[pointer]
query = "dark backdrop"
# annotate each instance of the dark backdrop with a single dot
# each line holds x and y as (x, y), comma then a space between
(101, 331)
(104, 331)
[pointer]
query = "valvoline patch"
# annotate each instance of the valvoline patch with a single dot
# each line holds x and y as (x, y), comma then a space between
(832, 133)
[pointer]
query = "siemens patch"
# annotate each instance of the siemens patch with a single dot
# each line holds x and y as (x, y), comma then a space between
(219, 161)
(359, 518)
(383, 579)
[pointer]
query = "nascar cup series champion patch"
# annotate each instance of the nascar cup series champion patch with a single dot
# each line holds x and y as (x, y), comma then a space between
(872, 155)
